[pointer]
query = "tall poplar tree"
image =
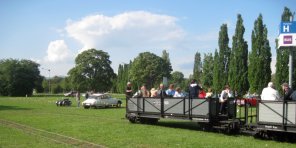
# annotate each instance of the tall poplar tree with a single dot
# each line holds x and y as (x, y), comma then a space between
(208, 67)
(167, 69)
(282, 57)
(216, 73)
(197, 69)
(238, 69)
(122, 78)
(260, 58)
(224, 56)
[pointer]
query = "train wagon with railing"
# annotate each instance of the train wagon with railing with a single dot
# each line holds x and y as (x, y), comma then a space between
(267, 119)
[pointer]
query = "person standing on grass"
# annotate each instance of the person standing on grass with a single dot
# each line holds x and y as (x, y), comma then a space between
(86, 95)
(78, 98)
(128, 90)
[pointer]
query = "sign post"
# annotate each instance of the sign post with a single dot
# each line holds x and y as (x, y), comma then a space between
(287, 38)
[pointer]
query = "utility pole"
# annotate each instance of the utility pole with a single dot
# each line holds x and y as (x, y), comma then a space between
(49, 90)
(291, 59)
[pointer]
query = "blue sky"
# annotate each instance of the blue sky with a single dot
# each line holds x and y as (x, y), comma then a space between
(53, 32)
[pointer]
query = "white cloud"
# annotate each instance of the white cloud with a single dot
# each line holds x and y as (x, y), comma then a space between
(124, 36)
(59, 59)
(129, 30)
(57, 51)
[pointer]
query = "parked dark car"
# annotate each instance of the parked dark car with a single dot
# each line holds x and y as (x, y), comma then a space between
(64, 102)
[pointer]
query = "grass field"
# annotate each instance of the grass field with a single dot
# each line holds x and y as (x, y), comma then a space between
(37, 122)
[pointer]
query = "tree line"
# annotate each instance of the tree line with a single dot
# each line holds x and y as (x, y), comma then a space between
(244, 71)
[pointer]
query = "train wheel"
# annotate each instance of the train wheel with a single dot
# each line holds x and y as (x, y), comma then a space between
(132, 118)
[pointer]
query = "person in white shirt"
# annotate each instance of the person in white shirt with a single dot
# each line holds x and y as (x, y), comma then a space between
(269, 93)
(178, 92)
(225, 94)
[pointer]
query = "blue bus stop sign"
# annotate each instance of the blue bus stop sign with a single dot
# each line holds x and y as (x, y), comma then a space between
(287, 36)
(288, 27)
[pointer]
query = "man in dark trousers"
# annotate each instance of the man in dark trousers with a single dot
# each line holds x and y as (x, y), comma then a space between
(194, 89)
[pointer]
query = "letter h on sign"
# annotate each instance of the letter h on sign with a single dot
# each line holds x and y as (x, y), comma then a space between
(286, 28)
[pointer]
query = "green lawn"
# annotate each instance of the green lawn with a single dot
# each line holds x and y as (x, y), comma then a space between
(106, 127)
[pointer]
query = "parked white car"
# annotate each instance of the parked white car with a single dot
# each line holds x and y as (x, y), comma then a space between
(101, 100)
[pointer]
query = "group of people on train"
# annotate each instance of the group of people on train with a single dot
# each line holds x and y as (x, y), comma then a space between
(196, 91)
(270, 93)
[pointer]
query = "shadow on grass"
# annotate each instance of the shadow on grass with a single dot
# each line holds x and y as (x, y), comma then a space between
(181, 125)
(288, 137)
(4, 107)
(103, 108)
(194, 126)
(276, 136)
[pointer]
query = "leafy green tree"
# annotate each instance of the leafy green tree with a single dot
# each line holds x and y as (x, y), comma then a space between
(55, 83)
(18, 77)
(282, 57)
(66, 84)
(197, 69)
(92, 71)
(177, 78)
(238, 69)
(208, 70)
(148, 68)
(38, 84)
(260, 58)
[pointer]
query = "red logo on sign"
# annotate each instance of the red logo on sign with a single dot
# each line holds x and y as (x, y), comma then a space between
(288, 39)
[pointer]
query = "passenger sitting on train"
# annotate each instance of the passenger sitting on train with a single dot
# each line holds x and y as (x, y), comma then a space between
(202, 94)
(287, 91)
(209, 93)
(179, 93)
(153, 92)
(171, 91)
(225, 94)
(144, 91)
(161, 92)
(269, 93)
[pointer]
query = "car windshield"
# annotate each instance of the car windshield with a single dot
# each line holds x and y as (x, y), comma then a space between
(104, 96)
(93, 97)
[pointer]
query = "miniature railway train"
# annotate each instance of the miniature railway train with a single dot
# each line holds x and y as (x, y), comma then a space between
(268, 119)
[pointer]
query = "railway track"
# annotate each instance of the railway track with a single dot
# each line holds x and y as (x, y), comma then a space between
(55, 137)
